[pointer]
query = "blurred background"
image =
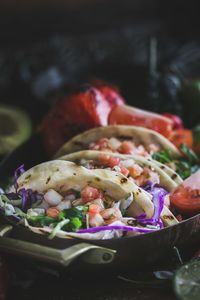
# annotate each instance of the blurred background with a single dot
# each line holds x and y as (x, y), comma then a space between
(148, 48)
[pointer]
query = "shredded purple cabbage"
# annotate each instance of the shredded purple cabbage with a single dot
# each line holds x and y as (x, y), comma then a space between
(28, 198)
(116, 227)
(19, 171)
(158, 195)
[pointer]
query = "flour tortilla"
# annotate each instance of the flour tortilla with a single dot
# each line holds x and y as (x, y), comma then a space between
(168, 180)
(140, 135)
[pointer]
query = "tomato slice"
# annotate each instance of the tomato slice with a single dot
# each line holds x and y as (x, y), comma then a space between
(186, 197)
(182, 136)
(126, 115)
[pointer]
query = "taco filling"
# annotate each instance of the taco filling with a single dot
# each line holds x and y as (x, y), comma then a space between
(123, 146)
(69, 207)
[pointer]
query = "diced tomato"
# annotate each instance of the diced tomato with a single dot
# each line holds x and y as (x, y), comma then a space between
(186, 197)
(177, 122)
(102, 144)
(52, 212)
(182, 136)
(94, 209)
(126, 147)
(135, 170)
(124, 171)
(75, 113)
(90, 193)
(126, 115)
(111, 214)
(108, 161)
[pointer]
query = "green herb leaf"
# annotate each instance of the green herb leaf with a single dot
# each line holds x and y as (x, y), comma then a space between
(189, 153)
(162, 156)
(41, 220)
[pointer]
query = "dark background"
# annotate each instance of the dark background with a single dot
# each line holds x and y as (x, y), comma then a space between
(48, 47)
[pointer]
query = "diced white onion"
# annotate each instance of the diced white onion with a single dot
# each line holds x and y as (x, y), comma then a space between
(70, 197)
(127, 163)
(33, 212)
(52, 197)
(114, 143)
(99, 202)
(64, 205)
(96, 220)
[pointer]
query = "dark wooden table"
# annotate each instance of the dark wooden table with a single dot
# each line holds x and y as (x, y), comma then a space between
(85, 289)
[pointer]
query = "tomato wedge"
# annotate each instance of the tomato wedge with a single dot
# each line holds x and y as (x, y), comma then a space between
(182, 136)
(126, 115)
(186, 197)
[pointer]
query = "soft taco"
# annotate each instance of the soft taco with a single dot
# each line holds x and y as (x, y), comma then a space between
(123, 139)
(141, 170)
(67, 200)
(136, 141)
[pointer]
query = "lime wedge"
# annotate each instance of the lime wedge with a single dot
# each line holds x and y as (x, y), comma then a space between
(187, 281)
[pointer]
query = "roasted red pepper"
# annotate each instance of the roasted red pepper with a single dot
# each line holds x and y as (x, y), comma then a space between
(76, 113)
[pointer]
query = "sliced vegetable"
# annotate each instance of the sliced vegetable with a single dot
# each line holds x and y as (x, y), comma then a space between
(158, 194)
(75, 113)
(185, 165)
(186, 197)
(126, 115)
(116, 227)
(39, 221)
(58, 227)
(20, 170)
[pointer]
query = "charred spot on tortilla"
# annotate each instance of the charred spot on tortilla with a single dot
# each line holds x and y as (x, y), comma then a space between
(132, 222)
(123, 180)
(174, 176)
(89, 182)
(74, 174)
(139, 190)
(168, 217)
(48, 179)
(97, 179)
(78, 143)
(162, 167)
(28, 177)
(57, 170)
(123, 137)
